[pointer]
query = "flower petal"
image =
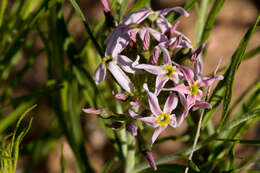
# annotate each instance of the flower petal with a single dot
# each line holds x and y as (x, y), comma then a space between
(155, 57)
(136, 17)
(157, 35)
(166, 55)
(105, 5)
(173, 122)
(183, 100)
(157, 132)
(207, 81)
(154, 69)
(173, 28)
(100, 73)
(180, 10)
(188, 74)
(126, 64)
(179, 88)
(153, 102)
(122, 79)
(160, 82)
(183, 116)
(163, 24)
(170, 104)
(200, 104)
(92, 111)
(191, 99)
(117, 41)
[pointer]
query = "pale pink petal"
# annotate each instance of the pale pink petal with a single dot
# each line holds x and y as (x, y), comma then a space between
(170, 104)
(196, 52)
(154, 58)
(132, 33)
(188, 74)
(146, 41)
(142, 32)
(105, 5)
(203, 105)
(173, 122)
(173, 28)
(160, 82)
(198, 67)
(134, 103)
(166, 55)
(154, 69)
(153, 102)
(179, 88)
(136, 17)
(207, 81)
(100, 73)
(162, 24)
(120, 96)
(175, 78)
(151, 121)
(122, 79)
(180, 10)
(125, 63)
(157, 132)
(133, 114)
(92, 111)
(184, 37)
(157, 35)
(183, 100)
(183, 116)
(191, 99)
(117, 42)
(199, 95)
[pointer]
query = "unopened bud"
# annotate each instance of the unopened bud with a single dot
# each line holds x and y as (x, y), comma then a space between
(131, 128)
(150, 159)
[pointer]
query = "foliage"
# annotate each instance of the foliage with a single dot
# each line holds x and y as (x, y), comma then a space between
(69, 65)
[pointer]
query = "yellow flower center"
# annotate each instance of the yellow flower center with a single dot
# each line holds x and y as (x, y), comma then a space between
(194, 89)
(153, 17)
(163, 119)
(108, 59)
(169, 70)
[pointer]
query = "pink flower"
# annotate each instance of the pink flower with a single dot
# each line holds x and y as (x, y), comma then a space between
(159, 119)
(164, 73)
(105, 5)
(111, 63)
(193, 92)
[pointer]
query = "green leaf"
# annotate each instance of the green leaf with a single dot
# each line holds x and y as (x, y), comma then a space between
(193, 166)
(140, 4)
(221, 90)
(211, 20)
(241, 141)
(62, 160)
(246, 117)
(82, 17)
(2, 11)
(13, 116)
(251, 53)
(166, 168)
(230, 75)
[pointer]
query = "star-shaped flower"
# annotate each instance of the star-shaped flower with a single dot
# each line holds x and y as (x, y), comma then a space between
(159, 119)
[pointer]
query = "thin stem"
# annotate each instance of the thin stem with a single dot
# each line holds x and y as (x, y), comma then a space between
(201, 117)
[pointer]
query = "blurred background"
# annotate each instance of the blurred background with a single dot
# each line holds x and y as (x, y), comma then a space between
(232, 22)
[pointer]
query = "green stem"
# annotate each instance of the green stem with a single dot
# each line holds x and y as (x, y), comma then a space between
(130, 158)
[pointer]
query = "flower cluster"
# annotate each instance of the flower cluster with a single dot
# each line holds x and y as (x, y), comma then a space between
(146, 55)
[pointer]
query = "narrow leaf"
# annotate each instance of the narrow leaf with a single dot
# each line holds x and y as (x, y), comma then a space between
(230, 76)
